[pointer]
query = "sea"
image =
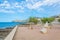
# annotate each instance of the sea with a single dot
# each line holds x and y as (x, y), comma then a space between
(10, 24)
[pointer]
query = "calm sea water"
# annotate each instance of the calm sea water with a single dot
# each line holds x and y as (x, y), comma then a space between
(9, 24)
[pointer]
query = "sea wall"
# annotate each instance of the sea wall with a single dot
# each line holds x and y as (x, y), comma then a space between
(11, 34)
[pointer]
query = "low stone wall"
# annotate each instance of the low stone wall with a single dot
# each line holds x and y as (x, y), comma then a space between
(11, 34)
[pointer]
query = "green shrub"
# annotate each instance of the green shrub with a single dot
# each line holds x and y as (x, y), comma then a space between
(58, 20)
(49, 20)
(33, 20)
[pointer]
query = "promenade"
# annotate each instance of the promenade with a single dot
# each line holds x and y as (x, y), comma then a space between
(23, 33)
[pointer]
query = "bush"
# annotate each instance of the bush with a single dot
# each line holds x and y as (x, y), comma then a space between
(33, 20)
(58, 20)
(49, 20)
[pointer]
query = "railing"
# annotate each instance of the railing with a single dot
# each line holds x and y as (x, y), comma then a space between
(11, 34)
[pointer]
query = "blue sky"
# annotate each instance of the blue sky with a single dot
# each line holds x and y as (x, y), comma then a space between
(23, 9)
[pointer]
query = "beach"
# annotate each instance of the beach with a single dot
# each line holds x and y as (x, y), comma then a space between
(25, 33)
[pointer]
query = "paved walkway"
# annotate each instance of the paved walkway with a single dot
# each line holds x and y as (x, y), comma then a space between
(23, 33)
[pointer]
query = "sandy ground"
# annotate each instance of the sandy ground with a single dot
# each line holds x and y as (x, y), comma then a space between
(23, 33)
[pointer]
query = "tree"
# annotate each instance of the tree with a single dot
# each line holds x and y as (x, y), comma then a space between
(44, 20)
(33, 20)
(49, 20)
(58, 20)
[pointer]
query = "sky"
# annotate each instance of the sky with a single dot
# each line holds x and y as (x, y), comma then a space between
(23, 9)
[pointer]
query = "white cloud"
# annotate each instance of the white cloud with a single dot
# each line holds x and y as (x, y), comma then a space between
(7, 11)
(30, 4)
(36, 5)
(5, 4)
(50, 2)
(17, 5)
(11, 7)
(42, 3)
